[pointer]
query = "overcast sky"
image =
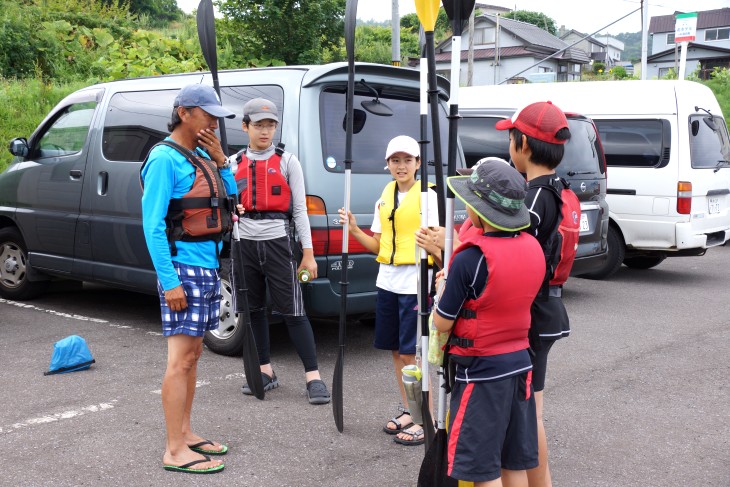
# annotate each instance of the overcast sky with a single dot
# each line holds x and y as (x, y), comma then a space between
(582, 15)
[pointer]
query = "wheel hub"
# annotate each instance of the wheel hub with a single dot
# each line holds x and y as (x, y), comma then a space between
(11, 265)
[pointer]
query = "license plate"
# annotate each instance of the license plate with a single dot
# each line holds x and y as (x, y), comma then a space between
(584, 226)
(713, 205)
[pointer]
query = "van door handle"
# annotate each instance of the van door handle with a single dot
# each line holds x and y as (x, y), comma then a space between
(103, 183)
(75, 173)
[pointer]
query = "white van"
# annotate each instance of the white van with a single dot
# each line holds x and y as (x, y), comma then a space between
(668, 155)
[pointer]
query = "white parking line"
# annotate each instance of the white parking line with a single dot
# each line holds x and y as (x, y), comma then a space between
(50, 311)
(50, 418)
(76, 317)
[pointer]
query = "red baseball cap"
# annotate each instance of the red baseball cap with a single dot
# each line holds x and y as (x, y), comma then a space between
(541, 120)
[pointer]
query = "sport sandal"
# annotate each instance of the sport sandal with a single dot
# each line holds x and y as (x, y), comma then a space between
(317, 392)
(417, 436)
(269, 383)
(395, 420)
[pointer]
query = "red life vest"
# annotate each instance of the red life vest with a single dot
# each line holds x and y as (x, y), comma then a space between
(204, 212)
(265, 192)
(498, 320)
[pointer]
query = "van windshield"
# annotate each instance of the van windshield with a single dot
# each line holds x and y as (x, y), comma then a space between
(479, 138)
(709, 145)
(369, 143)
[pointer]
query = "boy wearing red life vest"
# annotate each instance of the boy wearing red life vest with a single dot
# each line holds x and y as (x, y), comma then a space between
(493, 279)
(271, 187)
(538, 134)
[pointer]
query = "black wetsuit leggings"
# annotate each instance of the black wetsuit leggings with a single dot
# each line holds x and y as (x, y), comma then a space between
(300, 333)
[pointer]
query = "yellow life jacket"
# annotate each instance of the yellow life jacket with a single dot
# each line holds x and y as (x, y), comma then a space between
(398, 240)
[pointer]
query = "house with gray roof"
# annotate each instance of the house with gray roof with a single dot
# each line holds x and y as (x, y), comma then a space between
(599, 47)
(710, 49)
(511, 51)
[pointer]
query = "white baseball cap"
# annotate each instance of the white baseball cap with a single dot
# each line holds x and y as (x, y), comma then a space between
(402, 143)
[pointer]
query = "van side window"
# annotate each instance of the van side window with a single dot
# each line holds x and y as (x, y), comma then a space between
(68, 132)
(372, 132)
(635, 143)
(480, 139)
(708, 141)
(135, 121)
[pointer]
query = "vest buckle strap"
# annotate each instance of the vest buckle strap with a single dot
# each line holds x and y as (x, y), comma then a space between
(469, 314)
(555, 291)
(461, 342)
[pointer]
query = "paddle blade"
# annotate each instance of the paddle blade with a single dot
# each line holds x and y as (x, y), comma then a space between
(206, 33)
(251, 359)
(435, 464)
(350, 22)
(337, 391)
(428, 12)
(461, 7)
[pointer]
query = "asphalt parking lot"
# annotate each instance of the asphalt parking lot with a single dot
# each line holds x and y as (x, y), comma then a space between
(637, 396)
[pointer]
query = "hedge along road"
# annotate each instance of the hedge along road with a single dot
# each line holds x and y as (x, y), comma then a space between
(636, 396)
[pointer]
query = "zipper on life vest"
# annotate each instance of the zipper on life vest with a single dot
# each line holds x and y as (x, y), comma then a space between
(252, 191)
(392, 254)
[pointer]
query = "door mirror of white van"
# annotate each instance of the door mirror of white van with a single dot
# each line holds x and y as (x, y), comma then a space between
(19, 147)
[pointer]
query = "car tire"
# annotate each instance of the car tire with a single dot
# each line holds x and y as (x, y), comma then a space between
(228, 338)
(14, 282)
(616, 253)
(645, 261)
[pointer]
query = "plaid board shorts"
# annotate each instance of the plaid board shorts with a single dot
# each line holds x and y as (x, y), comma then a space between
(203, 292)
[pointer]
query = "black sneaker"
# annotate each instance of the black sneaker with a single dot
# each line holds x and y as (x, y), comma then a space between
(317, 392)
(269, 383)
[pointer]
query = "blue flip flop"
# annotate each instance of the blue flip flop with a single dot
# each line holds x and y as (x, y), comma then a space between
(186, 468)
(197, 448)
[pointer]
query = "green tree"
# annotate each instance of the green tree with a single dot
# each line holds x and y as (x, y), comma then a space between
(440, 31)
(374, 44)
(293, 31)
(158, 11)
(535, 18)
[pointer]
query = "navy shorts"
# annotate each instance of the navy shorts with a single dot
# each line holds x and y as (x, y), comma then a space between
(396, 322)
(203, 293)
(494, 427)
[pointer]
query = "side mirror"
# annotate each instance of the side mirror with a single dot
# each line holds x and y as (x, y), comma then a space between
(19, 147)
(358, 120)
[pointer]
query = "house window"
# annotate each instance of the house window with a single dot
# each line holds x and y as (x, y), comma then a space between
(663, 72)
(717, 34)
(545, 69)
(576, 68)
(670, 38)
(483, 36)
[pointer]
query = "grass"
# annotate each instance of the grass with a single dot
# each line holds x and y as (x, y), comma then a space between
(25, 105)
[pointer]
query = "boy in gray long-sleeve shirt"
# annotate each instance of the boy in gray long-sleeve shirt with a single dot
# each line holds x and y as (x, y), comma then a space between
(271, 189)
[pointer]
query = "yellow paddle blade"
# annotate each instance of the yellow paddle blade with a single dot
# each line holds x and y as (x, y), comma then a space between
(428, 12)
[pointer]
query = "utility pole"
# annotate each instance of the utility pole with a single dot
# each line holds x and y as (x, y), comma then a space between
(644, 36)
(395, 34)
(470, 52)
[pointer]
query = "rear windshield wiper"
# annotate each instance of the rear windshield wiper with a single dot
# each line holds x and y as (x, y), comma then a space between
(574, 173)
(720, 164)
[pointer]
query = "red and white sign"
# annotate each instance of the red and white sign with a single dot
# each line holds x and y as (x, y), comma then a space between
(685, 27)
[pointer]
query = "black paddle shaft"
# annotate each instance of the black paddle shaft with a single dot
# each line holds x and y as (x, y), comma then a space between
(206, 34)
(337, 381)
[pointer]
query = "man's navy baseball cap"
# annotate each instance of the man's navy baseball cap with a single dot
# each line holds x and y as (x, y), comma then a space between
(202, 96)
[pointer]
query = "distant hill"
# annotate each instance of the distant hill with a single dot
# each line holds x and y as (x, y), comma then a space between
(632, 46)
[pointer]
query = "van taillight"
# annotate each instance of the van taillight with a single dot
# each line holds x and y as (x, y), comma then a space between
(315, 205)
(329, 242)
(684, 197)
